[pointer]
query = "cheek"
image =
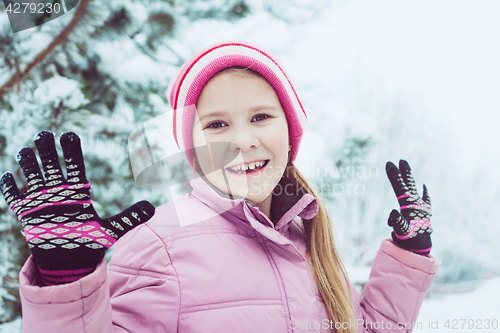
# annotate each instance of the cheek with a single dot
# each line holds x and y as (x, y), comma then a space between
(279, 144)
(197, 136)
(199, 141)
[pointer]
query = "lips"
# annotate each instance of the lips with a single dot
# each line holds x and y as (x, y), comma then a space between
(248, 167)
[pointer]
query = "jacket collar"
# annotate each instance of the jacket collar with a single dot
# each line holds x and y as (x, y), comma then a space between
(289, 201)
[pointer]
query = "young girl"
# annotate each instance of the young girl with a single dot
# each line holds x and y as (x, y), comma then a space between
(249, 250)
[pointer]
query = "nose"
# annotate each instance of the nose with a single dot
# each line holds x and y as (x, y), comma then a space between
(244, 139)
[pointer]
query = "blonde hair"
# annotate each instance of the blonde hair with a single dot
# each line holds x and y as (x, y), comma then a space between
(240, 70)
(328, 271)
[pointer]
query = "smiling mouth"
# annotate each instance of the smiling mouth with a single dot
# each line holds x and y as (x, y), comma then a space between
(248, 167)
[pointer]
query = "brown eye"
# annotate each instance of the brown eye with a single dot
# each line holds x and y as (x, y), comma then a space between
(260, 117)
(216, 125)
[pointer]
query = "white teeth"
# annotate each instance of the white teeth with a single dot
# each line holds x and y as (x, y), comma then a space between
(250, 166)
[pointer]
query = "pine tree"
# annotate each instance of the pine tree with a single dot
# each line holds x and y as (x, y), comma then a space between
(62, 85)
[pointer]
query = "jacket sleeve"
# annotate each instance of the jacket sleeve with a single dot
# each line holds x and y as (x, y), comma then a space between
(139, 293)
(144, 287)
(398, 283)
(81, 306)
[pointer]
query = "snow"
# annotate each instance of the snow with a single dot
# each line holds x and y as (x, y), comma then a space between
(123, 59)
(475, 307)
(12, 327)
(60, 89)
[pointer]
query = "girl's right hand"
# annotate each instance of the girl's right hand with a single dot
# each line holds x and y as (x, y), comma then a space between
(66, 236)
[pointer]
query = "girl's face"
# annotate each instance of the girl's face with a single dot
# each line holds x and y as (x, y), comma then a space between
(241, 119)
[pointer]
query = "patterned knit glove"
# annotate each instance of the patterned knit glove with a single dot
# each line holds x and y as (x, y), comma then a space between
(412, 227)
(66, 236)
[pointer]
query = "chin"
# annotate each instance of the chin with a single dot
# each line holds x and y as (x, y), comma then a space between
(254, 194)
(256, 199)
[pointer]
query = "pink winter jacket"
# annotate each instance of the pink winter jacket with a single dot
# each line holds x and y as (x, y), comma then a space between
(232, 271)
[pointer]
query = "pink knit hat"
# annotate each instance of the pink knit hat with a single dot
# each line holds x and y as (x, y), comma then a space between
(184, 90)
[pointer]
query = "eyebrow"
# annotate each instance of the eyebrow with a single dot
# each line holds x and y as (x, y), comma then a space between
(263, 107)
(214, 114)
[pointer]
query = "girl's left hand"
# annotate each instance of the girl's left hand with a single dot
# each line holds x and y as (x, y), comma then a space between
(412, 227)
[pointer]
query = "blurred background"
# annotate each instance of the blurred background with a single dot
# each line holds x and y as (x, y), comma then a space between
(380, 80)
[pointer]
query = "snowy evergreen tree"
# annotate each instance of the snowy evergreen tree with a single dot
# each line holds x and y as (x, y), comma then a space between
(101, 71)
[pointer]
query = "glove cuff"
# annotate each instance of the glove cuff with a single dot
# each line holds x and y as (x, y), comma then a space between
(417, 244)
(51, 278)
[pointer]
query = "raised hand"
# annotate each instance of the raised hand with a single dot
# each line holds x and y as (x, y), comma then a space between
(66, 236)
(412, 227)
